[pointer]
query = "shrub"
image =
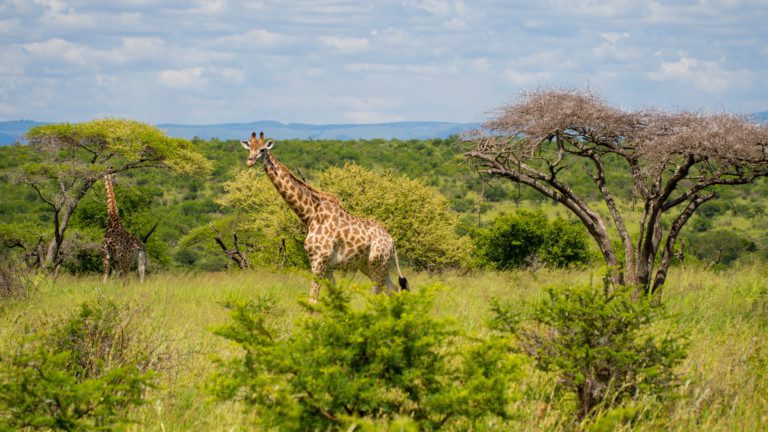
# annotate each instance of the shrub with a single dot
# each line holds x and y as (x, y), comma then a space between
(83, 373)
(604, 346)
(417, 216)
(720, 246)
(388, 364)
(514, 239)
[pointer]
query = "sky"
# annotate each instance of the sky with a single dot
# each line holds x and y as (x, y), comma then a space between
(313, 61)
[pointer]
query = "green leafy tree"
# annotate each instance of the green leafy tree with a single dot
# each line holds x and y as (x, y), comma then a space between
(263, 219)
(604, 346)
(513, 239)
(388, 363)
(81, 374)
(720, 247)
(73, 156)
(417, 215)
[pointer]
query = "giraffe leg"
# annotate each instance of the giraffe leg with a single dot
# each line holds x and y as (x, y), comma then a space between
(124, 261)
(141, 263)
(320, 270)
(104, 251)
(378, 273)
(378, 266)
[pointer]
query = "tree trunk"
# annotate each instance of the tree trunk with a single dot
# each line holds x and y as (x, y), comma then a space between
(52, 258)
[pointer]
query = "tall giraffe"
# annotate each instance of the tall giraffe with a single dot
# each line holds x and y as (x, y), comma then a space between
(119, 244)
(336, 239)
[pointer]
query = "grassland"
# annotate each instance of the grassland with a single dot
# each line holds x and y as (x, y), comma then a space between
(724, 380)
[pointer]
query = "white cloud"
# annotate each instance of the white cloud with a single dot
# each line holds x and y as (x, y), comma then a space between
(702, 74)
(604, 9)
(396, 69)
(183, 78)
(215, 54)
(255, 38)
(62, 50)
(526, 79)
(200, 77)
(231, 75)
(346, 44)
(612, 47)
(141, 47)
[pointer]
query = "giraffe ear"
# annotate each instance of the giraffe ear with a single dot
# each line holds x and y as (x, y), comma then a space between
(269, 145)
(245, 145)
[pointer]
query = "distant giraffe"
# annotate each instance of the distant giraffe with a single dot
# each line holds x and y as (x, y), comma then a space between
(335, 238)
(119, 245)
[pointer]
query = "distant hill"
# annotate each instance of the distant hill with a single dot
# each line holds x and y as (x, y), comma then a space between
(277, 130)
(10, 131)
(761, 116)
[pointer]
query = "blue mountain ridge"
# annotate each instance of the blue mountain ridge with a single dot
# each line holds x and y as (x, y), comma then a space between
(11, 131)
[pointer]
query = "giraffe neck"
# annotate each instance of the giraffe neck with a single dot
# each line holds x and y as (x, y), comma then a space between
(299, 197)
(113, 216)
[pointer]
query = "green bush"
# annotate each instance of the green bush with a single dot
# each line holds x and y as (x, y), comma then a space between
(417, 215)
(514, 240)
(603, 346)
(83, 373)
(388, 364)
(721, 247)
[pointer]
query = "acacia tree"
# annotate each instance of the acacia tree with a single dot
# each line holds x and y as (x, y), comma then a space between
(674, 161)
(72, 157)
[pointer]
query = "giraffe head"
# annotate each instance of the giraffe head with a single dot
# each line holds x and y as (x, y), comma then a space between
(257, 150)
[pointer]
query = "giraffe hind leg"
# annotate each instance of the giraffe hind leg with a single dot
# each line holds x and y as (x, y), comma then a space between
(141, 263)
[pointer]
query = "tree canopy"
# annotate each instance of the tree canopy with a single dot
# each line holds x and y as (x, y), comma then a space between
(71, 157)
(673, 158)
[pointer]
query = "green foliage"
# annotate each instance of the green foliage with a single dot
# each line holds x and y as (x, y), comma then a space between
(417, 216)
(264, 219)
(16, 237)
(604, 346)
(135, 141)
(389, 364)
(513, 240)
(83, 373)
(721, 247)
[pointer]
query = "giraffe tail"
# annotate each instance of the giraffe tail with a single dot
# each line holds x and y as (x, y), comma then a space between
(146, 237)
(401, 279)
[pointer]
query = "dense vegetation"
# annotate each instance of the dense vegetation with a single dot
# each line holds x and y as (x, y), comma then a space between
(186, 207)
(488, 340)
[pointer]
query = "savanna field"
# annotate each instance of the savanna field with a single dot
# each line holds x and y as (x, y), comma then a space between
(724, 380)
(513, 321)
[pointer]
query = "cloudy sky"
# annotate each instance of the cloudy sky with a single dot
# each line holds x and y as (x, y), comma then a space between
(315, 61)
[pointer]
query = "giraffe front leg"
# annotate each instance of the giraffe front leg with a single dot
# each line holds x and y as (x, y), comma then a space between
(320, 270)
(104, 251)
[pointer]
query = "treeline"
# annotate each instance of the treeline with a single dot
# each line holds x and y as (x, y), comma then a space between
(192, 211)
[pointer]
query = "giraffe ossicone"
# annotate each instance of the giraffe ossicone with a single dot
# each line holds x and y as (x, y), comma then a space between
(336, 239)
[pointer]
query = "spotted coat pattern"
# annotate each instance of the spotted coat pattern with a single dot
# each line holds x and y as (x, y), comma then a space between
(120, 246)
(335, 239)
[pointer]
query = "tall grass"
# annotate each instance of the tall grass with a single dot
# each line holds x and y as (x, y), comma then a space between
(726, 315)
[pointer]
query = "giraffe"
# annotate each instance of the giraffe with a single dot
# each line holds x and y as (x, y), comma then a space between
(119, 244)
(336, 239)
